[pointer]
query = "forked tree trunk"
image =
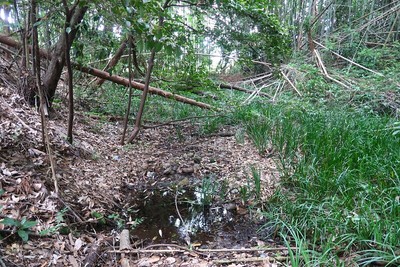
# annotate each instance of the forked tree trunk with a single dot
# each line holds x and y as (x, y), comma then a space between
(54, 70)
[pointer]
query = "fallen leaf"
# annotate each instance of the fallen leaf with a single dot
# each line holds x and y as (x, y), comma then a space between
(78, 244)
(73, 261)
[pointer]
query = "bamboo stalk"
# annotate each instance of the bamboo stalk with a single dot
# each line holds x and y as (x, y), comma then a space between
(350, 61)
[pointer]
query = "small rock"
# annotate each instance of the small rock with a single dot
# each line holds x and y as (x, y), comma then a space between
(130, 186)
(170, 260)
(166, 165)
(37, 186)
(150, 174)
(230, 206)
(197, 159)
(167, 171)
(196, 167)
(145, 166)
(187, 170)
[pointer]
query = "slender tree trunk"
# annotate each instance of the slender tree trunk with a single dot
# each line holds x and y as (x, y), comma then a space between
(126, 119)
(6, 27)
(147, 83)
(54, 70)
(70, 74)
(36, 68)
(36, 71)
(144, 97)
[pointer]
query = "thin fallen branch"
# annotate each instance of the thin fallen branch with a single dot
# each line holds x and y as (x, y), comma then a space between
(241, 89)
(251, 259)
(173, 249)
(291, 84)
(124, 244)
(325, 72)
(245, 249)
(80, 220)
(2, 264)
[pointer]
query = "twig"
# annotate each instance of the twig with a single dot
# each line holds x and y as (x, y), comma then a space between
(251, 259)
(202, 252)
(278, 89)
(148, 250)
(237, 88)
(176, 205)
(70, 209)
(2, 264)
(245, 249)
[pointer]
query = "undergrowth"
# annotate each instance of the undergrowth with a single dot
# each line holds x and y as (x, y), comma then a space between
(340, 182)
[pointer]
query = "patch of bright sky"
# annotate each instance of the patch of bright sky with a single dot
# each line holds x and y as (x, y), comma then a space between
(3, 17)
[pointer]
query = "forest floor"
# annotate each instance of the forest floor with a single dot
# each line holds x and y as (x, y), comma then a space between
(105, 187)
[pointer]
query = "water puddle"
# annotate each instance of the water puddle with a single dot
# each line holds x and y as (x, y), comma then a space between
(191, 216)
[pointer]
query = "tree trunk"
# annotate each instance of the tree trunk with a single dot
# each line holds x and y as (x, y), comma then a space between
(53, 73)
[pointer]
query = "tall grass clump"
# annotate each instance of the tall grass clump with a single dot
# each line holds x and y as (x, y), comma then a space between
(340, 185)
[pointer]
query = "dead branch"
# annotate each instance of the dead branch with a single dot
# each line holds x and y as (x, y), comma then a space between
(348, 60)
(241, 89)
(321, 65)
(124, 244)
(245, 249)
(291, 84)
(140, 86)
(172, 248)
(2, 264)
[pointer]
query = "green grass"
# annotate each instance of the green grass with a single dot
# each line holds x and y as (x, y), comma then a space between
(340, 181)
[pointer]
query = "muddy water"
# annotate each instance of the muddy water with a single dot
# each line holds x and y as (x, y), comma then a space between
(188, 216)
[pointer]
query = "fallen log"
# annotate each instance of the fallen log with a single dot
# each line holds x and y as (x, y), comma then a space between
(139, 86)
(113, 78)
